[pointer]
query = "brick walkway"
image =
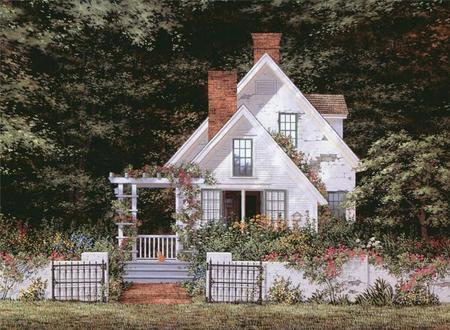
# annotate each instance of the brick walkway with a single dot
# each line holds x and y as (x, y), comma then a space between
(152, 293)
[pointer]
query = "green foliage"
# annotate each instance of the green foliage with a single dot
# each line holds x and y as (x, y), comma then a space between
(406, 182)
(299, 159)
(379, 294)
(250, 240)
(16, 269)
(24, 249)
(35, 292)
(88, 88)
(282, 292)
(382, 294)
(419, 295)
(297, 242)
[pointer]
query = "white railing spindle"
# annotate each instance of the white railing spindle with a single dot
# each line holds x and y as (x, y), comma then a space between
(149, 245)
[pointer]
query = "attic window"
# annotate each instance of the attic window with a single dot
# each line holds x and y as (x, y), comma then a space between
(266, 87)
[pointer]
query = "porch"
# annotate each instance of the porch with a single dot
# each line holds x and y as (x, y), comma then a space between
(145, 247)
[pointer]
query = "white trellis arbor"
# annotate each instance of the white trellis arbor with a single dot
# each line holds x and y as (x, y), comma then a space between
(146, 247)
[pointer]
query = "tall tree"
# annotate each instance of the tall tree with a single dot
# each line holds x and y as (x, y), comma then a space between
(406, 182)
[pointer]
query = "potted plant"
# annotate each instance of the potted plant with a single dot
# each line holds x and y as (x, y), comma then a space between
(161, 257)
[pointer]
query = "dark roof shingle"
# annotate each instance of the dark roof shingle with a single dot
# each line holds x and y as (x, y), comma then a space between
(328, 104)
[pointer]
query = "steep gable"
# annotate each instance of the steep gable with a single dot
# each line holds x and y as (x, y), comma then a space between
(266, 82)
(271, 162)
(193, 145)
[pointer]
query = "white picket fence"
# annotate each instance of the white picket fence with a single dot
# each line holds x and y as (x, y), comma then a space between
(149, 246)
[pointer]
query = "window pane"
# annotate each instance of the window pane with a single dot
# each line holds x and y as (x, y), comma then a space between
(242, 157)
(275, 204)
(335, 199)
(288, 125)
(211, 204)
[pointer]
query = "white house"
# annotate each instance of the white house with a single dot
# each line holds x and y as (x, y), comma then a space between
(254, 175)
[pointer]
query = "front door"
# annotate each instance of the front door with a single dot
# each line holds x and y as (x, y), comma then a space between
(232, 208)
(252, 203)
(232, 205)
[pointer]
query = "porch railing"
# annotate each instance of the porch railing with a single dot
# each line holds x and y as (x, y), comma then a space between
(150, 246)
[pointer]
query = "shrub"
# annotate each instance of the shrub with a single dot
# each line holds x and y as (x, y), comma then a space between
(295, 243)
(116, 258)
(17, 268)
(35, 292)
(380, 293)
(418, 295)
(283, 292)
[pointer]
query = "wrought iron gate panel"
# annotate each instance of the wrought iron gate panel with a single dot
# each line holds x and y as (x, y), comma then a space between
(235, 282)
(82, 281)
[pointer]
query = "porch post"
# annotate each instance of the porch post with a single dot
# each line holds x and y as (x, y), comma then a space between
(134, 212)
(120, 226)
(242, 205)
(178, 205)
(134, 201)
(177, 200)
(120, 236)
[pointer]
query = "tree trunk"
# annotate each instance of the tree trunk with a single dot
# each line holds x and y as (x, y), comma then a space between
(423, 225)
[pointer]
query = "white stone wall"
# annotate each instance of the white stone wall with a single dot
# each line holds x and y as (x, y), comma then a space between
(45, 274)
(356, 276)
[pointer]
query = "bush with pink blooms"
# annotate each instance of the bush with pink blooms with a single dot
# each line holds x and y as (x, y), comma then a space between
(17, 268)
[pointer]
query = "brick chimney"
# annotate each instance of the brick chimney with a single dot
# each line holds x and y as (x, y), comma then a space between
(266, 43)
(222, 100)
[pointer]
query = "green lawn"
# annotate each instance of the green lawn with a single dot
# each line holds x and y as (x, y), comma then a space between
(54, 315)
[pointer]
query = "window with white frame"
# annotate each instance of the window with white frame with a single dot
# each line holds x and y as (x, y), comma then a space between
(211, 201)
(242, 157)
(288, 125)
(335, 199)
(275, 204)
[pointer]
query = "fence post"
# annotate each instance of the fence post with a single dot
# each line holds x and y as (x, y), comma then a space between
(53, 280)
(209, 269)
(260, 280)
(103, 281)
(368, 271)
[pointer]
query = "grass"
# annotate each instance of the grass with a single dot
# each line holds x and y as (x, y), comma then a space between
(59, 315)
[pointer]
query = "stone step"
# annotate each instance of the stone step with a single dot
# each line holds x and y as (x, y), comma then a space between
(156, 279)
(158, 301)
(155, 269)
(155, 294)
(172, 271)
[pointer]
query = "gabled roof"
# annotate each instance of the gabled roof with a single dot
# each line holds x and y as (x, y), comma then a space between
(328, 104)
(189, 143)
(244, 112)
(304, 103)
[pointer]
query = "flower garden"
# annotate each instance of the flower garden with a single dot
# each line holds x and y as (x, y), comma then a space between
(321, 256)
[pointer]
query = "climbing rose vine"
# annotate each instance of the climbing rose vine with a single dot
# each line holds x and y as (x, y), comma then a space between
(181, 177)
(298, 158)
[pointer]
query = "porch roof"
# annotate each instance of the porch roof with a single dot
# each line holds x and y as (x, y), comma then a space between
(153, 182)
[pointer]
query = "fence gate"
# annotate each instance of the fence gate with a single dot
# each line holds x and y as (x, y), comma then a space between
(235, 282)
(82, 281)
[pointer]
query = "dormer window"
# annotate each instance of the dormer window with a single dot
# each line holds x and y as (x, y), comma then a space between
(288, 125)
(242, 157)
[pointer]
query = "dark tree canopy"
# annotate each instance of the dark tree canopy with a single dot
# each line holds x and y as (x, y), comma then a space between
(89, 88)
